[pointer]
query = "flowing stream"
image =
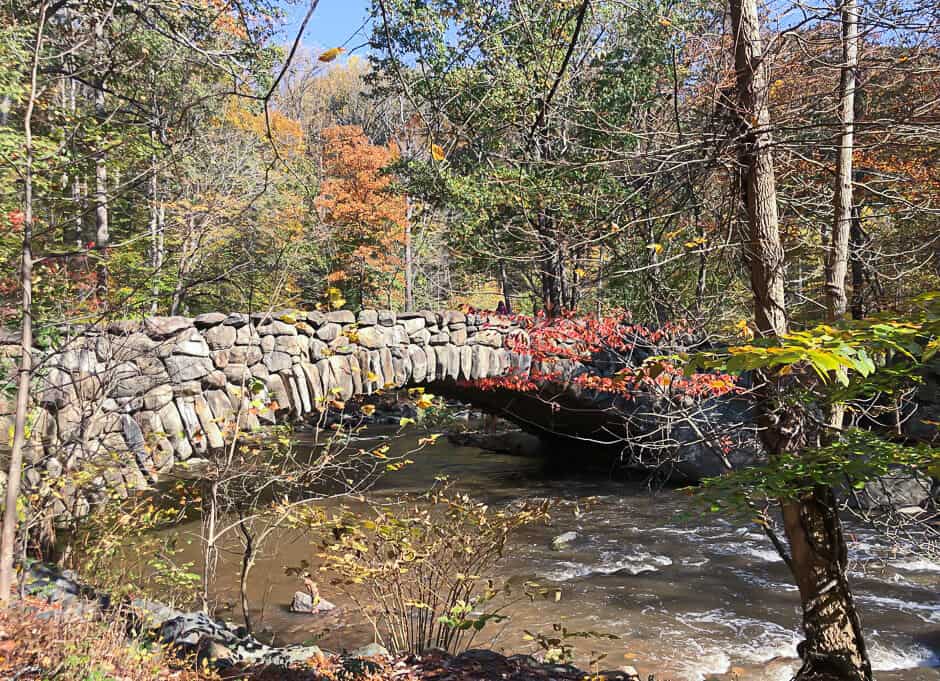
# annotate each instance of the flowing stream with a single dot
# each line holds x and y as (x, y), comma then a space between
(690, 595)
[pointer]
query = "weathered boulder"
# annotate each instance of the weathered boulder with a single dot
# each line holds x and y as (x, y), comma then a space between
(164, 327)
(187, 368)
(220, 337)
(368, 318)
(303, 603)
(207, 319)
(329, 331)
(371, 337)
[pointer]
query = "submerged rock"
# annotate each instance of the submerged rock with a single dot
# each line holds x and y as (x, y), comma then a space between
(563, 541)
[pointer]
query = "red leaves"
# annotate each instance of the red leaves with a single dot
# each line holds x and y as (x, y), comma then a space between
(549, 341)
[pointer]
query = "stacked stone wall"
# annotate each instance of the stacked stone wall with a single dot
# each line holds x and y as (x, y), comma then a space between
(149, 394)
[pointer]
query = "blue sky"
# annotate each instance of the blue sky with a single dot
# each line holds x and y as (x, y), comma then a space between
(332, 24)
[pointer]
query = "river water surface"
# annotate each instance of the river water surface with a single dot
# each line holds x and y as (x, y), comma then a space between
(689, 595)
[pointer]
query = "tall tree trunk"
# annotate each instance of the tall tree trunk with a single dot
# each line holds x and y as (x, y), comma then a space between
(156, 226)
(102, 231)
(409, 265)
(837, 255)
(15, 468)
(834, 647)
(764, 251)
(856, 241)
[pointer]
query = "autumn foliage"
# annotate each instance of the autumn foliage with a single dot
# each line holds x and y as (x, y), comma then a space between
(366, 216)
(644, 352)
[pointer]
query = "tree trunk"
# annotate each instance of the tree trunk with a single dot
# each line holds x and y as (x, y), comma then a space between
(102, 232)
(15, 469)
(764, 251)
(409, 268)
(834, 648)
(837, 255)
(856, 241)
(156, 230)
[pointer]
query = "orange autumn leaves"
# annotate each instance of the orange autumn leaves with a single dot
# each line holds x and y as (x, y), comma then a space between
(357, 200)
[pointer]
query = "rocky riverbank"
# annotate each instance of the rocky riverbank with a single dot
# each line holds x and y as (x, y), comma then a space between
(54, 597)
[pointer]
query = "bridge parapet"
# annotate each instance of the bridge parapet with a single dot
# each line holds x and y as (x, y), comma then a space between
(161, 390)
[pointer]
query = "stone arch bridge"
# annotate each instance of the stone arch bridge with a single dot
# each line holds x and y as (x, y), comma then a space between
(162, 390)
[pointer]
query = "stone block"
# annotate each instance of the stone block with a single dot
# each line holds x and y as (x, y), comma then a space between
(277, 328)
(371, 338)
(301, 382)
(341, 317)
(208, 422)
(288, 344)
(368, 318)
(277, 361)
(238, 374)
(246, 335)
(236, 319)
(208, 319)
(411, 325)
(158, 396)
(214, 379)
(164, 327)
(187, 368)
(245, 354)
(220, 337)
(386, 317)
(329, 331)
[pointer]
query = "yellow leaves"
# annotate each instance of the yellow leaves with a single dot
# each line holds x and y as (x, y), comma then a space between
(334, 297)
(743, 329)
(372, 376)
(331, 54)
(437, 152)
(656, 248)
(663, 21)
(695, 243)
(580, 272)
(425, 401)
(367, 409)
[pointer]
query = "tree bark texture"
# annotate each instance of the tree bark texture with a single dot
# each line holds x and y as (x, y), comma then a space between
(763, 248)
(837, 254)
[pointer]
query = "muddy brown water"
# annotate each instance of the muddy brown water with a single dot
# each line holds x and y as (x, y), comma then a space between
(689, 595)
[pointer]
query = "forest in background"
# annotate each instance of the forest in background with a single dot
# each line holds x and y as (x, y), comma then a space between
(563, 156)
(763, 173)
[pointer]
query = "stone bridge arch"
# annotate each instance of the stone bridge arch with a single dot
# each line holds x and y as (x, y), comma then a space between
(162, 390)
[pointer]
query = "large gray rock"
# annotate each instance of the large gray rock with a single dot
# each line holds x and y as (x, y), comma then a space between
(187, 368)
(207, 319)
(208, 421)
(342, 375)
(164, 327)
(277, 328)
(371, 337)
(245, 354)
(368, 318)
(341, 317)
(288, 344)
(277, 361)
(329, 331)
(158, 396)
(175, 431)
(191, 343)
(236, 319)
(303, 603)
(220, 337)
